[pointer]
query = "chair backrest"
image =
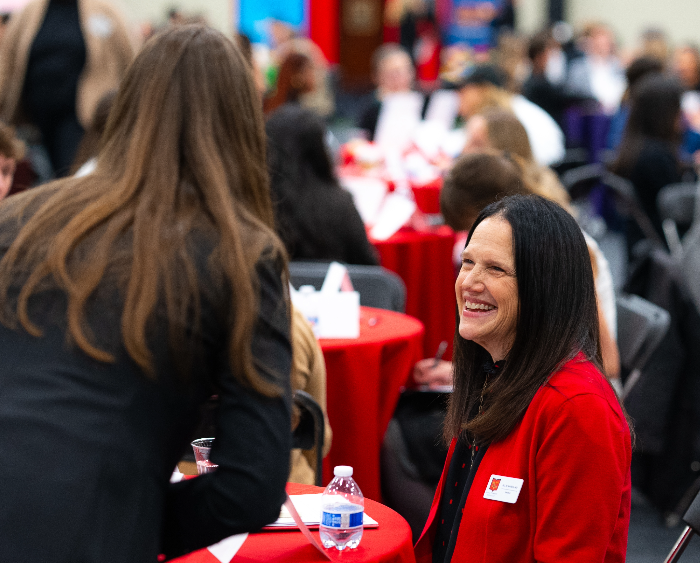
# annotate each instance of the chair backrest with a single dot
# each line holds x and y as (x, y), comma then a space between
(580, 181)
(377, 286)
(310, 430)
(641, 326)
(692, 520)
(677, 202)
(689, 267)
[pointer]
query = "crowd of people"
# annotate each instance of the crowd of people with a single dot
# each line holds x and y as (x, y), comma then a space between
(144, 278)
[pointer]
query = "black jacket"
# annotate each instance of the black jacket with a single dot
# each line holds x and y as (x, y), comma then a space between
(89, 447)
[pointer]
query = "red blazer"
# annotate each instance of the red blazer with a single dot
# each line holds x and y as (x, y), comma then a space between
(572, 449)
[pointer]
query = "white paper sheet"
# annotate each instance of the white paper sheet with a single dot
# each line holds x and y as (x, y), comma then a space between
(309, 508)
(367, 194)
(398, 117)
(226, 549)
(443, 108)
(394, 214)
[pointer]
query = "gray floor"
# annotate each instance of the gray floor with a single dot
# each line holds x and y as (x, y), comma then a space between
(650, 541)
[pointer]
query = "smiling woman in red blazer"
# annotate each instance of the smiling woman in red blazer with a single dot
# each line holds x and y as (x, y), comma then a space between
(538, 468)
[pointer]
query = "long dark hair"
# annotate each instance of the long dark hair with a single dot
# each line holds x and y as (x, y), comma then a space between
(654, 112)
(557, 319)
(183, 156)
(301, 171)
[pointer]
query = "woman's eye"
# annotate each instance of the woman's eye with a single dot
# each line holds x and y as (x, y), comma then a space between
(497, 269)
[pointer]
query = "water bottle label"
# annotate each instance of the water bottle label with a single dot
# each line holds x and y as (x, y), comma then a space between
(342, 520)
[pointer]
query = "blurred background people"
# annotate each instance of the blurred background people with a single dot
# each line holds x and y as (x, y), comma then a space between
(482, 87)
(316, 218)
(392, 73)
(552, 97)
(637, 69)
(295, 77)
(599, 73)
(648, 154)
(57, 59)
(686, 66)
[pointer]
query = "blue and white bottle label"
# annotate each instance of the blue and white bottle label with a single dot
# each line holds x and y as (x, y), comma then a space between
(342, 520)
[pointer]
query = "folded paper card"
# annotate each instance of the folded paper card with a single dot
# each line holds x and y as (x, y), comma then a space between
(332, 312)
(227, 548)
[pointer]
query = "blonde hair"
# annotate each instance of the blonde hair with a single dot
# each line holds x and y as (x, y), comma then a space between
(182, 168)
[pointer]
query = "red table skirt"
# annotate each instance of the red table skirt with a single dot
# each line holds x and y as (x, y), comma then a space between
(364, 380)
(389, 543)
(424, 261)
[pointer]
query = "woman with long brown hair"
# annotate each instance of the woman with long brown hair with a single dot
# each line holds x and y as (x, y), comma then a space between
(130, 296)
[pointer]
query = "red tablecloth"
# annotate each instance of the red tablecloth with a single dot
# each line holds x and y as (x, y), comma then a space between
(424, 261)
(389, 543)
(364, 379)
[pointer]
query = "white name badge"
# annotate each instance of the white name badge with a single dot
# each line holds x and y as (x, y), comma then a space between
(503, 489)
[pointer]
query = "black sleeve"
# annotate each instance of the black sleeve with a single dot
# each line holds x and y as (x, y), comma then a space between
(252, 445)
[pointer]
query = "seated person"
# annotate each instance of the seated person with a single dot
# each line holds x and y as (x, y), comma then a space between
(316, 218)
(532, 421)
(393, 73)
(296, 76)
(599, 72)
(478, 179)
(553, 98)
(483, 87)
(308, 374)
(11, 152)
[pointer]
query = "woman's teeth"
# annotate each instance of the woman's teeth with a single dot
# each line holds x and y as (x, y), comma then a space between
(478, 306)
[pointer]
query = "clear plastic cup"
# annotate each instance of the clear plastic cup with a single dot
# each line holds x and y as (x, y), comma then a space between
(202, 450)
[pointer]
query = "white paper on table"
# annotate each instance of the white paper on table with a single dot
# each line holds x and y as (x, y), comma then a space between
(339, 314)
(227, 548)
(367, 194)
(309, 509)
(400, 114)
(443, 108)
(395, 213)
(176, 477)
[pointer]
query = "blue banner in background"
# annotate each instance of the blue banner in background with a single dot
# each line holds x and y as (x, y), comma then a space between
(255, 15)
(470, 22)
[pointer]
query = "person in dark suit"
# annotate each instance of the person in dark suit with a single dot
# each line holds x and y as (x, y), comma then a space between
(128, 297)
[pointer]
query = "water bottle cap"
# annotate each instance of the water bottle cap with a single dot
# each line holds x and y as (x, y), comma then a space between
(307, 289)
(342, 471)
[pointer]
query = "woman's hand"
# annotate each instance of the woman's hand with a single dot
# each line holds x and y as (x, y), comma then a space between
(428, 372)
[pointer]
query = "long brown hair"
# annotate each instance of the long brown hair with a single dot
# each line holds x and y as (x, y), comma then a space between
(557, 319)
(183, 161)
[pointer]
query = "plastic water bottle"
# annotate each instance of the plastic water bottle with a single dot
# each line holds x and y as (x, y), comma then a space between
(342, 511)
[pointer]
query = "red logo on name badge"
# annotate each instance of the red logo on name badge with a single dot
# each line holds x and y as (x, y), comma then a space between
(494, 484)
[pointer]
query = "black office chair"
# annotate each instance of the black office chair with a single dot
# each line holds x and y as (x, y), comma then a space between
(677, 205)
(692, 520)
(641, 326)
(377, 286)
(580, 181)
(310, 430)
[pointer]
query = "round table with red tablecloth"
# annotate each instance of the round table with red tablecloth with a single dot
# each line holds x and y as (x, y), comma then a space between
(364, 380)
(423, 259)
(390, 542)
